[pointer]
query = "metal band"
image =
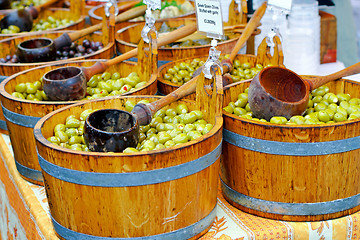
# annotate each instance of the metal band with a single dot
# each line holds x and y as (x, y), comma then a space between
(184, 233)
(132, 178)
(289, 148)
(3, 125)
(293, 209)
(29, 173)
(19, 119)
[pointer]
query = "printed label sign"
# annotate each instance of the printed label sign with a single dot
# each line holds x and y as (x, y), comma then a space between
(285, 4)
(153, 4)
(209, 16)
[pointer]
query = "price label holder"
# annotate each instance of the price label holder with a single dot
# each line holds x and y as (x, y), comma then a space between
(210, 22)
(149, 19)
(109, 5)
(279, 7)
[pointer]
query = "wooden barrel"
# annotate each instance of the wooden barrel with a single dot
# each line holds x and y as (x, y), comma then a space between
(97, 13)
(294, 173)
(128, 37)
(22, 115)
(59, 13)
(3, 12)
(263, 57)
(160, 194)
(9, 46)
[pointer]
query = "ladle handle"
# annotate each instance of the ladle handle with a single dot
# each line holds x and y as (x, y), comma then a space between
(249, 29)
(319, 81)
(165, 39)
(183, 91)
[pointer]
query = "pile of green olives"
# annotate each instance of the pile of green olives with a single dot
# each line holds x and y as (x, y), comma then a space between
(182, 72)
(21, 4)
(100, 85)
(50, 23)
(10, 30)
(169, 127)
(323, 107)
(44, 24)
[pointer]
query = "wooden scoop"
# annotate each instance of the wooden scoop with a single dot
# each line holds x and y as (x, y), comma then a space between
(44, 49)
(69, 83)
(23, 18)
(277, 91)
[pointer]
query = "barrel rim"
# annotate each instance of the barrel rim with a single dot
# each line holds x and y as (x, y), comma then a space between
(108, 47)
(5, 94)
(42, 140)
(120, 41)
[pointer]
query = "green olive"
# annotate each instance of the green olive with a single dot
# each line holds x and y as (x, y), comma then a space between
(181, 138)
(63, 137)
(278, 120)
(297, 119)
(59, 127)
(54, 139)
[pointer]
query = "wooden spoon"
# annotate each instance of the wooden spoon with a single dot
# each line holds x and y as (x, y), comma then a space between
(69, 83)
(277, 91)
(23, 18)
(44, 49)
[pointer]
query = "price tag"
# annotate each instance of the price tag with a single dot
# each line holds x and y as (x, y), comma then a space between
(153, 4)
(283, 4)
(209, 18)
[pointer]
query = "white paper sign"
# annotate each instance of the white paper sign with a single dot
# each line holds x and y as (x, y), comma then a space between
(209, 16)
(153, 4)
(285, 4)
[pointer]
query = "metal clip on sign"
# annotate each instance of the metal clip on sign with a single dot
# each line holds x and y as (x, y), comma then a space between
(149, 19)
(108, 5)
(279, 7)
(212, 60)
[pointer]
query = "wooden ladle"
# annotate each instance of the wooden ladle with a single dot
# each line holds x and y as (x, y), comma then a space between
(69, 83)
(23, 18)
(44, 49)
(277, 91)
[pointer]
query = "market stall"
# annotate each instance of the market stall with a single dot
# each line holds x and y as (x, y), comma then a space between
(211, 145)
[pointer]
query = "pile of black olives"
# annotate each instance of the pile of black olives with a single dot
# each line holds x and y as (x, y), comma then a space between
(75, 50)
